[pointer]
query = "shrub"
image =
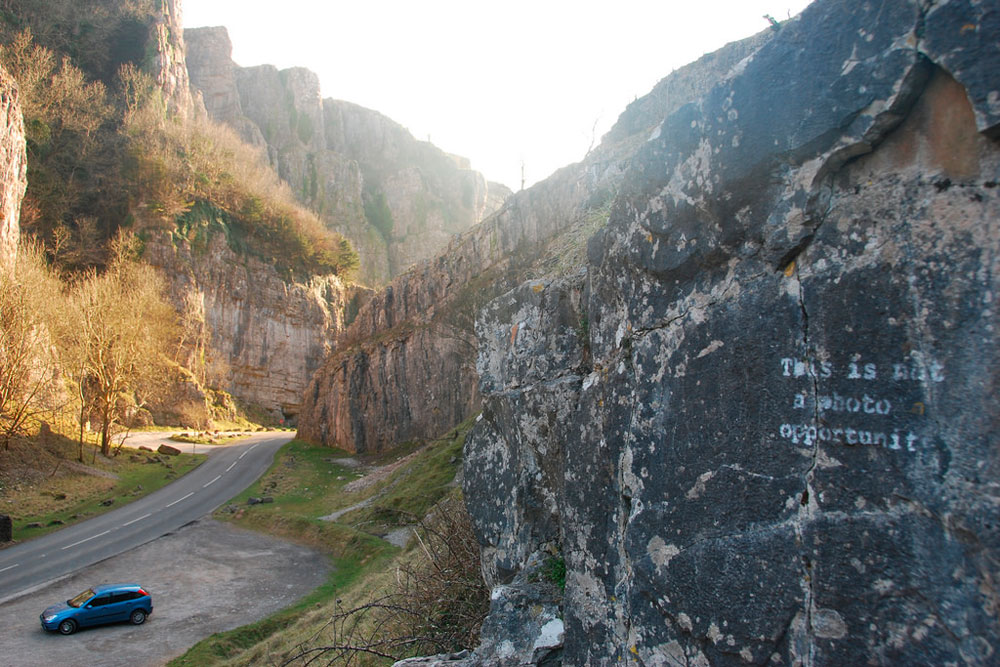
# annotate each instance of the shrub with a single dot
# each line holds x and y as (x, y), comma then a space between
(201, 177)
(438, 605)
(29, 375)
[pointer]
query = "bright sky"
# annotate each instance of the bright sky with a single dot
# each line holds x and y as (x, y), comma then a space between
(499, 82)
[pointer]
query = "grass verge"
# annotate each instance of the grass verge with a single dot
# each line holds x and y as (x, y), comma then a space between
(54, 490)
(305, 483)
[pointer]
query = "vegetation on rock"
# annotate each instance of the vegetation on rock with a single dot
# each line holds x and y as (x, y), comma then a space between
(104, 155)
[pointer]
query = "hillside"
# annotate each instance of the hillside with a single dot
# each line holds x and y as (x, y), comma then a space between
(397, 199)
(128, 134)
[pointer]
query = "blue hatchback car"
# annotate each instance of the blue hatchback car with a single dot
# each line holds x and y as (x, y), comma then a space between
(99, 605)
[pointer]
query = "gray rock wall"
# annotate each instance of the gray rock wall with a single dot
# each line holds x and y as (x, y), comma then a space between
(539, 232)
(169, 65)
(760, 425)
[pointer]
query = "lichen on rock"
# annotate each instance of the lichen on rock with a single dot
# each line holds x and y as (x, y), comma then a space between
(773, 439)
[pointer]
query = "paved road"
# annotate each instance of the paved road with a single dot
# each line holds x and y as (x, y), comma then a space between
(228, 470)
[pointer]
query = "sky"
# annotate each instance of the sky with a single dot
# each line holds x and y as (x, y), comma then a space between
(505, 84)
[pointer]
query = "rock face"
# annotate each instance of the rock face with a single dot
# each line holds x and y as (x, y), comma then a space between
(405, 369)
(759, 424)
(169, 65)
(250, 331)
(13, 178)
(397, 199)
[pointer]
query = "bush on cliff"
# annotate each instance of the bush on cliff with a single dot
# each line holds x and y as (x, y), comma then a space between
(99, 161)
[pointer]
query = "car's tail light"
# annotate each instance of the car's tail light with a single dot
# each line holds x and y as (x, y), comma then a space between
(143, 592)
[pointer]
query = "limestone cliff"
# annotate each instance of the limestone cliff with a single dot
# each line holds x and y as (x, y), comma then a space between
(248, 330)
(759, 425)
(168, 63)
(406, 368)
(397, 199)
(14, 162)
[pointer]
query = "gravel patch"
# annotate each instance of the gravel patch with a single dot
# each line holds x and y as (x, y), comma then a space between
(205, 578)
(399, 537)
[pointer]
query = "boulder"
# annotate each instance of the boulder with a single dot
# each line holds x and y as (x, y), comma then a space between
(168, 450)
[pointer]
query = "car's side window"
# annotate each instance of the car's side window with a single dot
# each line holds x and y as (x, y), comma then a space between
(100, 601)
(120, 597)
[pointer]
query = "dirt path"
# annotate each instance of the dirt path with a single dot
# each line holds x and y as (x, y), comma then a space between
(205, 578)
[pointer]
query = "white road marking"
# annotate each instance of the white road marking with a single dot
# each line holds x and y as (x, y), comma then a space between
(243, 454)
(10, 567)
(252, 448)
(217, 478)
(231, 466)
(92, 537)
(144, 516)
(180, 499)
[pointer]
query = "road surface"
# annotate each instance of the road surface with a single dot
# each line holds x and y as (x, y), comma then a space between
(227, 471)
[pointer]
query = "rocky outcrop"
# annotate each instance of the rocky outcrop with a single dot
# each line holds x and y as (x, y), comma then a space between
(398, 200)
(759, 423)
(541, 231)
(248, 330)
(212, 73)
(13, 178)
(168, 64)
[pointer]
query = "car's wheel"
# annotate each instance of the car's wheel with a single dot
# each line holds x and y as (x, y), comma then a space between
(138, 617)
(67, 627)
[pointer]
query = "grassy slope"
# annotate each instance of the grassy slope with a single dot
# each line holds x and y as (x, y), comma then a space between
(306, 483)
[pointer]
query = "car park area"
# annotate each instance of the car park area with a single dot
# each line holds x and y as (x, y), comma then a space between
(205, 578)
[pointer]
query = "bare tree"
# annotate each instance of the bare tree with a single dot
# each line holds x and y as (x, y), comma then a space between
(437, 606)
(117, 337)
(29, 379)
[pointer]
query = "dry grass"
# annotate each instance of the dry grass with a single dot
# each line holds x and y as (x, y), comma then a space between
(42, 482)
(436, 603)
(430, 599)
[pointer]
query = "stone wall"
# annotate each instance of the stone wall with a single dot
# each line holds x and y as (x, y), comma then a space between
(760, 426)
(13, 178)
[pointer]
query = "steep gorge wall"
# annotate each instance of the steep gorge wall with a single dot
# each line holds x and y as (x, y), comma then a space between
(13, 178)
(397, 199)
(250, 331)
(760, 425)
(405, 369)
(169, 62)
